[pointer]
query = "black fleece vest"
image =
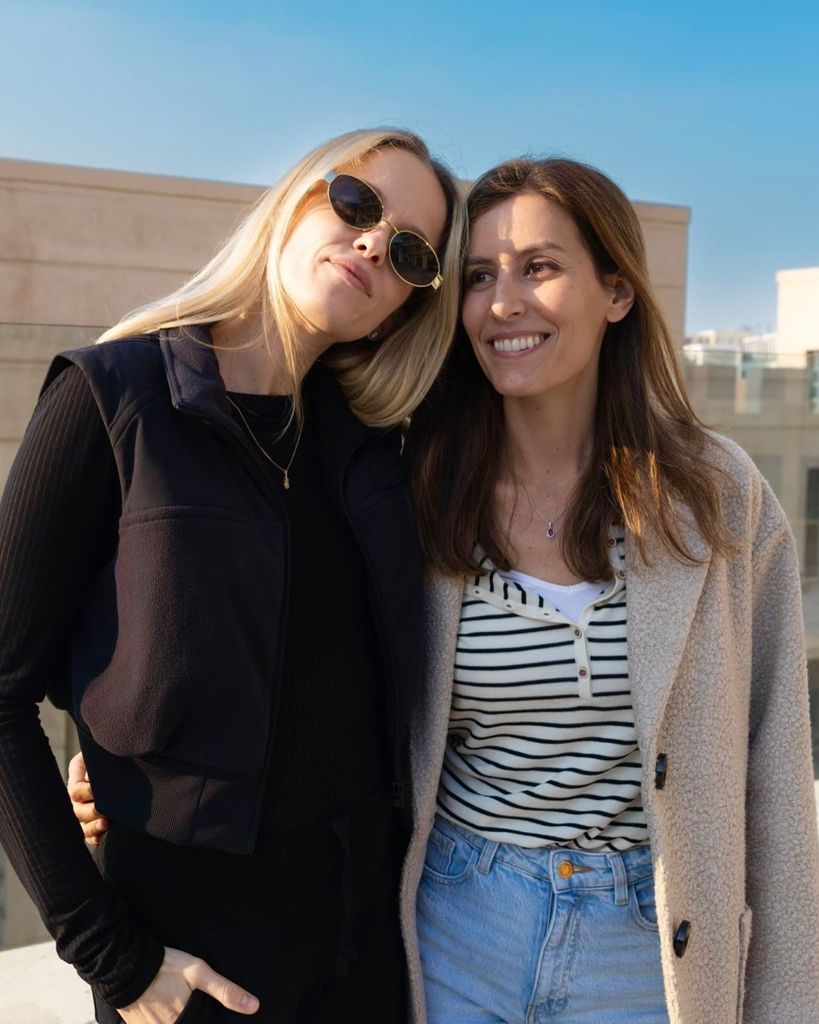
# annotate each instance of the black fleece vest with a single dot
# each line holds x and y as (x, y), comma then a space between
(176, 650)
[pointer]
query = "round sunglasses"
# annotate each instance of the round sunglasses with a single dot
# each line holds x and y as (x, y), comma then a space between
(358, 204)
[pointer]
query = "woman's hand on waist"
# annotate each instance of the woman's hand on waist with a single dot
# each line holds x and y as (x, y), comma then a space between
(166, 997)
(82, 801)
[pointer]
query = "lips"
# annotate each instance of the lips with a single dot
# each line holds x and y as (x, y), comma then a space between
(355, 274)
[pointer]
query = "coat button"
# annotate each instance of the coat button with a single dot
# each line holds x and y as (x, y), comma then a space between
(681, 937)
(661, 771)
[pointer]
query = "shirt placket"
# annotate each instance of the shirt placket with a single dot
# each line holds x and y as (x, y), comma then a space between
(579, 630)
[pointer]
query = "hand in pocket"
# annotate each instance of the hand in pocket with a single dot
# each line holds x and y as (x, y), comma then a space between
(165, 999)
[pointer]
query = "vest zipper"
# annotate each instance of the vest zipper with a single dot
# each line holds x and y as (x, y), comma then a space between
(397, 784)
(258, 470)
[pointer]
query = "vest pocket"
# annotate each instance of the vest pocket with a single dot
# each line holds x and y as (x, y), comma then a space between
(744, 943)
(179, 659)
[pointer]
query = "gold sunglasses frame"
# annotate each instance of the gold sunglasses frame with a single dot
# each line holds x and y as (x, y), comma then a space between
(436, 282)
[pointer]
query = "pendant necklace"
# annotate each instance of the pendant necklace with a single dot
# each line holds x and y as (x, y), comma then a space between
(551, 533)
(285, 470)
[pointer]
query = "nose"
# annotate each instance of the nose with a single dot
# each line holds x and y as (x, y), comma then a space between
(373, 244)
(507, 299)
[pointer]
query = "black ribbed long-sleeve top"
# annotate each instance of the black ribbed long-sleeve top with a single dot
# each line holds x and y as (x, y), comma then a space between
(58, 528)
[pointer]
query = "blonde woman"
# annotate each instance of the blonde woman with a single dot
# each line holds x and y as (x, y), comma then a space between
(206, 554)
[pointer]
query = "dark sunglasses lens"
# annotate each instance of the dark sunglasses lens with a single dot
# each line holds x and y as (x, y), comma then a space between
(354, 202)
(414, 259)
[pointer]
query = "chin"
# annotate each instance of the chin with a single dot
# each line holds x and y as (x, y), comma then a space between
(519, 388)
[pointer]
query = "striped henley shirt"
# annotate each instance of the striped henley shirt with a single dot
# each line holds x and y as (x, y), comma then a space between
(542, 748)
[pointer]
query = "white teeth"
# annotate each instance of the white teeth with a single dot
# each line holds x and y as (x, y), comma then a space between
(517, 344)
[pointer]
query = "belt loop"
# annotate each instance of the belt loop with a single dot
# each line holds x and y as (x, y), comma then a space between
(618, 869)
(487, 856)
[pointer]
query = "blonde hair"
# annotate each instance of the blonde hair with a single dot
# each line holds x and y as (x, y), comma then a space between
(383, 383)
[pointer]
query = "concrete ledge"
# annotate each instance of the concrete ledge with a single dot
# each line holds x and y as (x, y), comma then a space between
(38, 988)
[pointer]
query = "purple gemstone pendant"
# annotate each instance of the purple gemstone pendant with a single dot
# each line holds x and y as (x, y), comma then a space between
(550, 532)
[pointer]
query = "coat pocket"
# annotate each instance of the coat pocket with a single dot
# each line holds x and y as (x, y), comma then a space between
(744, 943)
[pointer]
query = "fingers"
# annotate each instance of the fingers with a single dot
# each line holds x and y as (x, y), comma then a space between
(223, 991)
(94, 830)
(82, 801)
(76, 770)
(80, 792)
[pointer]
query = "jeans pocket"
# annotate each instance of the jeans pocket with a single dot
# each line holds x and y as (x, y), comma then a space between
(642, 903)
(448, 860)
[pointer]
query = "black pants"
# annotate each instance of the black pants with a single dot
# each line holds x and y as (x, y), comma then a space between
(334, 952)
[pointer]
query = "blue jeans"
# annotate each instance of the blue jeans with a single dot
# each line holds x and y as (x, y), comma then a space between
(516, 936)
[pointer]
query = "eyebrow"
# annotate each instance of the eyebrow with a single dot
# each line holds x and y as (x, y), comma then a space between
(475, 260)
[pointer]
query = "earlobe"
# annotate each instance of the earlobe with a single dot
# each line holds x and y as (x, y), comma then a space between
(622, 299)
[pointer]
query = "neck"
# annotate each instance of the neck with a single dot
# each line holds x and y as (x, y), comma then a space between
(251, 356)
(549, 438)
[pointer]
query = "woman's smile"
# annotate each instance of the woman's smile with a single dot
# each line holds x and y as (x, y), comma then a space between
(534, 305)
(518, 345)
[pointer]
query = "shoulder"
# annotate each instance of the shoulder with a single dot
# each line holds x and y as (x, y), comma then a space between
(124, 352)
(730, 457)
(117, 372)
(123, 357)
(749, 503)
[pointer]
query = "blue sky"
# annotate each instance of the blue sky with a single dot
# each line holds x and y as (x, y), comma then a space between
(714, 106)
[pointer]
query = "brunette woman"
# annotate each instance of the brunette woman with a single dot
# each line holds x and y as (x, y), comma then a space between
(613, 770)
(206, 554)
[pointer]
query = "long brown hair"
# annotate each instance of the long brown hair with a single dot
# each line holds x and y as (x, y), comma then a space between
(649, 449)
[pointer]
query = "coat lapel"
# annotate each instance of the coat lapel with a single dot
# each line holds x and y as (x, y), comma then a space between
(662, 601)
(429, 729)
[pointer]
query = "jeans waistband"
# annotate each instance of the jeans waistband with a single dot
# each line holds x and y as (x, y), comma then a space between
(565, 868)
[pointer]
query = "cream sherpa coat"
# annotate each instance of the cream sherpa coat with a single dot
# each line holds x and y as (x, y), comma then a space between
(717, 664)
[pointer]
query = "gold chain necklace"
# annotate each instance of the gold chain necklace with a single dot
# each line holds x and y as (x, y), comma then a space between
(282, 469)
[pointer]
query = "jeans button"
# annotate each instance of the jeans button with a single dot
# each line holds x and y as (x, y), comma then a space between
(565, 869)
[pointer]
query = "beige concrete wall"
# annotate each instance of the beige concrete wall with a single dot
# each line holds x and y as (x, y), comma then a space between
(665, 229)
(82, 247)
(797, 310)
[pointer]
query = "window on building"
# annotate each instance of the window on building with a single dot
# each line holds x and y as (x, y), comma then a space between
(811, 566)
